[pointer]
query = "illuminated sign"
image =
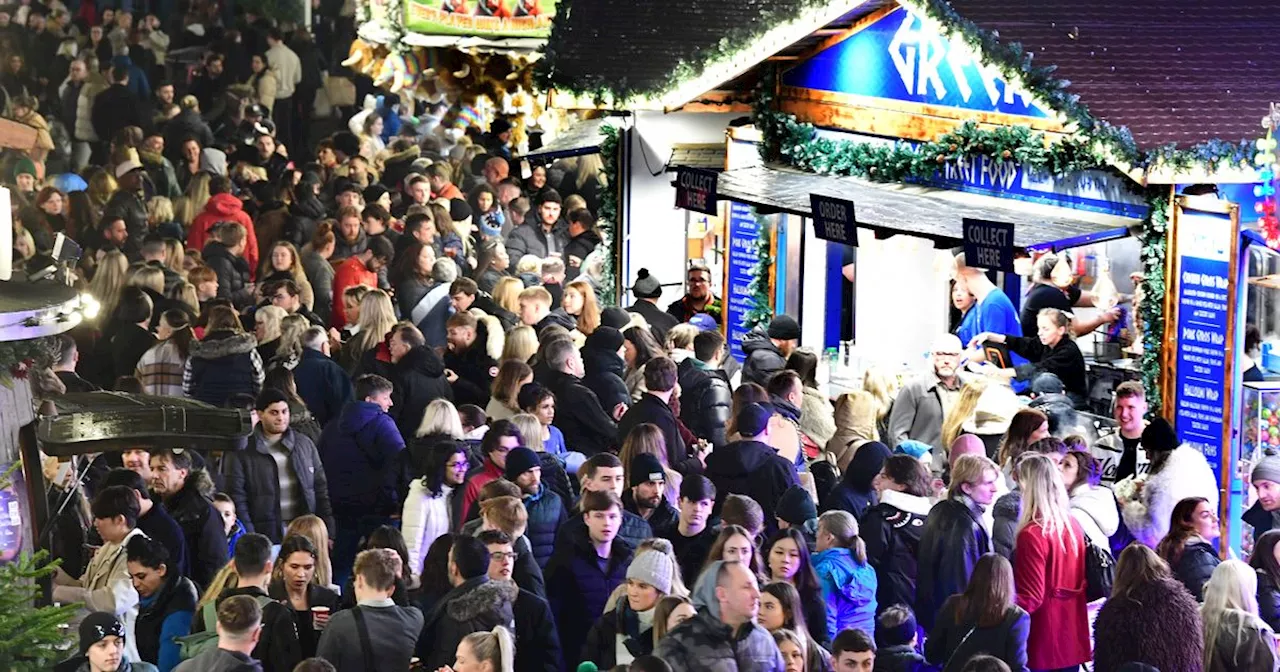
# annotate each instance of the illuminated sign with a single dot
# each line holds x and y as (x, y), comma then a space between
(901, 57)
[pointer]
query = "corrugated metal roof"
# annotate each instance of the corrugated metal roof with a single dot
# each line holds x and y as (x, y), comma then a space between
(925, 212)
(581, 137)
(708, 156)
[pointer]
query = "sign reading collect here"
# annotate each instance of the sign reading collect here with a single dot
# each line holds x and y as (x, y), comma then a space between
(988, 244)
(696, 190)
(833, 219)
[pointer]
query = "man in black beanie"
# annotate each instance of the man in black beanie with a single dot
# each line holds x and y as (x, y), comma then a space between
(102, 643)
(647, 291)
(545, 508)
(646, 494)
(767, 350)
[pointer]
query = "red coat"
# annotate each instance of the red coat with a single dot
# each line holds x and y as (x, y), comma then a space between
(224, 208)
(1051, 587)
(349, 273)
(471, 491)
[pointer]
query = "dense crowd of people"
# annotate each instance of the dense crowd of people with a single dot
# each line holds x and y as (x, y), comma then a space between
(463, 460)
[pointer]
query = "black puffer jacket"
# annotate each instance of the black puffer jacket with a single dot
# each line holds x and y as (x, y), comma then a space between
(951, 544)
(232, 271)
(586, 425)
(478, 605)
(763, 357)
(654, 411)
(706, 401)
(419, 379)
(605, 371)
(192, 508)
(253, 481)
(753, 469)
(1195, 566)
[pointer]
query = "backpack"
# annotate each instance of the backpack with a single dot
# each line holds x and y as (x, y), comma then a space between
(196, 643)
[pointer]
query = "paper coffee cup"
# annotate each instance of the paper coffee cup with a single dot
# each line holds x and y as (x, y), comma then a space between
(323, 612)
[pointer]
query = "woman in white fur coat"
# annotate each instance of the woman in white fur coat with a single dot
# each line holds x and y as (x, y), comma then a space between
(1176, 472)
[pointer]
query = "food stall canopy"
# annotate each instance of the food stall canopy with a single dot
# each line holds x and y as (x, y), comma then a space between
(581, 138)
(707, 156)
(924, 212)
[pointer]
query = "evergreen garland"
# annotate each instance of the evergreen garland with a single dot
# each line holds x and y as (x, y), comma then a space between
(607, 221)
(759, 296)
(19, 357)
(1153, 239)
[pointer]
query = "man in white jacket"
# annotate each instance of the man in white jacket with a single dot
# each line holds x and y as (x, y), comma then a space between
(106, 584)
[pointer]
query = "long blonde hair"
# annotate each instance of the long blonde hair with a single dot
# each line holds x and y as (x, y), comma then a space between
(530, 428)
(440, 417)
(1233, 586)
(108, 282)
(962, 411)
(377, 319)
(496, 647)
(1044, 499)
(520, 345)
(589, 166)
(269, 317)
(225, 579)
(312, 527)
(175, 256)
(194, 200)
(507, 293)
(883, 387)
(101, 187)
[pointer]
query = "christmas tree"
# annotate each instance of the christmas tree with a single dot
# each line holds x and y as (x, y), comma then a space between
(31, 637)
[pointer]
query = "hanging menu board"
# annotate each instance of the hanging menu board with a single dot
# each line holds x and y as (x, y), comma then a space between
(743, 256)
(1204, 290)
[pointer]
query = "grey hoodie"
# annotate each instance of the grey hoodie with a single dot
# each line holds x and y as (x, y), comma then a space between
(220, 660)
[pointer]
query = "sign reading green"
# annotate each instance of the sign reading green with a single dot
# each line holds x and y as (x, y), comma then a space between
(493, 18)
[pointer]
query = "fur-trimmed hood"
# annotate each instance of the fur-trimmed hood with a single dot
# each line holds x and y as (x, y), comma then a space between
(200, 479)
(487, 597)
(218, 344)
(493, 334)
(904, 502)
(407, 156)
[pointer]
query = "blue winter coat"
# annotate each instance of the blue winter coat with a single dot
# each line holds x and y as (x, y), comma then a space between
(362, 455)
(849, 590)
(546, 513)
(323, 385)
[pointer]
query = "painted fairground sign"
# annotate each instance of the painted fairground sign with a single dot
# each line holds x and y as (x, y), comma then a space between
(495, 18)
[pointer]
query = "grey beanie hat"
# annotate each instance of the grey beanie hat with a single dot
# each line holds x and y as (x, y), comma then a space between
(1267, 469)
(646, 286)
(653, 568)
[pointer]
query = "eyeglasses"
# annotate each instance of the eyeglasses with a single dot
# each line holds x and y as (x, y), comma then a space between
(502, 556)
(457, 466)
